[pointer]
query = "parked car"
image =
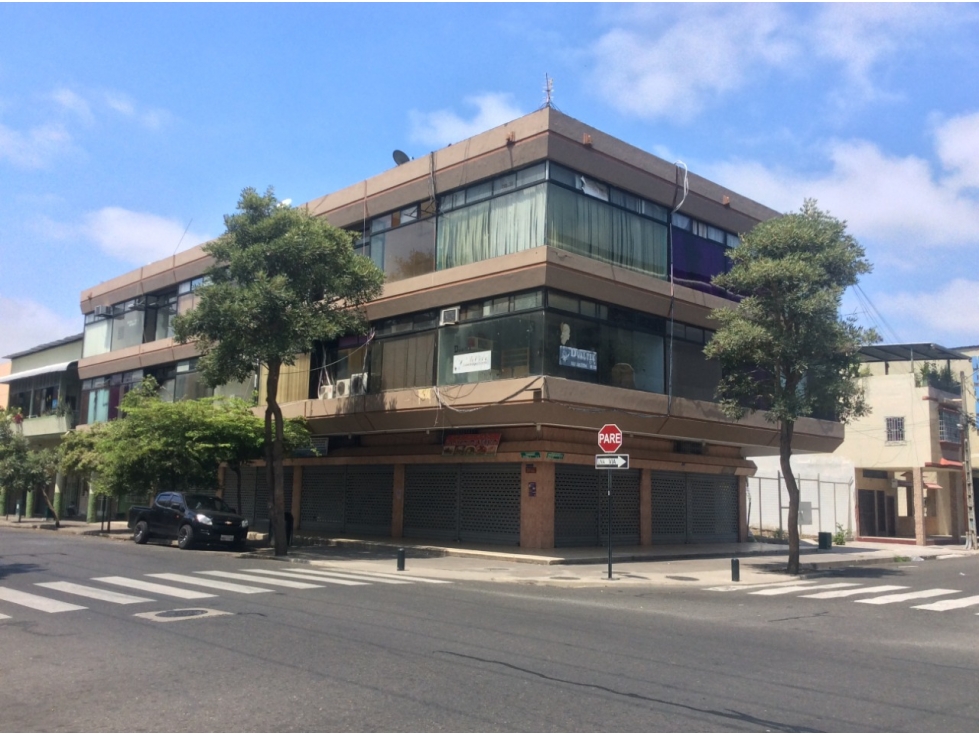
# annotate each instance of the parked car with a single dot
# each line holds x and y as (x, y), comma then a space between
(190, 518)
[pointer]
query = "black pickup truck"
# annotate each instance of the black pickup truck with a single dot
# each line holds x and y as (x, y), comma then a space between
(190, 518)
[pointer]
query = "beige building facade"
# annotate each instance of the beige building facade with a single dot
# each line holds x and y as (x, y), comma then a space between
(543, 279)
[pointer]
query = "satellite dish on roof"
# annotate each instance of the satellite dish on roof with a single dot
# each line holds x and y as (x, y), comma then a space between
(400, 157)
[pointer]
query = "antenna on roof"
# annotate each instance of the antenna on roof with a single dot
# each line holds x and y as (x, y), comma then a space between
(400, 157)
(548, 91)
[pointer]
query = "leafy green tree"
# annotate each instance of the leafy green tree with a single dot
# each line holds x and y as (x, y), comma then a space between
(785, 349)
(25, 469)
(282, 279)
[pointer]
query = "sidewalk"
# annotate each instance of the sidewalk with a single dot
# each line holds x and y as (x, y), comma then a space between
(674, 565)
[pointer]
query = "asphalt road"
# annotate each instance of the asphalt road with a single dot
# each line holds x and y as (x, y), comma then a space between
(468, 655)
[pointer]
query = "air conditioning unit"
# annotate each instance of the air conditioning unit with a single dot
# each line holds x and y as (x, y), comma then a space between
(341, 389)
(358, 383)
(103, 312)
(449, 316)
(326, 391)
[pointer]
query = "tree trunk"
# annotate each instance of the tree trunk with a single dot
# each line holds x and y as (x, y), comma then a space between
(785, 455)
(50, 504)
(237, 471)
(274, 440)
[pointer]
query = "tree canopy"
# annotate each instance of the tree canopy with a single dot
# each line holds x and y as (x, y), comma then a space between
(24, 469)
(282, 280)
(785, 349)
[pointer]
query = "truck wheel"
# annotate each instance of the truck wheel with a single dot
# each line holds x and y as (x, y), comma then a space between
(185, 537)
(141, 533)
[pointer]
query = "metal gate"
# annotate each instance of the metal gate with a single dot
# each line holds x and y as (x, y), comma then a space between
(470, 503)
(694, 508)
(581, 506)
(255, 494)
(354, 499)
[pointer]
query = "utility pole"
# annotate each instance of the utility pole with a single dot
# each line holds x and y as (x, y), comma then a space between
(970, 496)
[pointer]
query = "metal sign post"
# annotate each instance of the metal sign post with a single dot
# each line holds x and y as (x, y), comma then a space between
(610, 441)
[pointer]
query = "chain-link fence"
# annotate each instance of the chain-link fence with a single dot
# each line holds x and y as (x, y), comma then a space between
(823, 504)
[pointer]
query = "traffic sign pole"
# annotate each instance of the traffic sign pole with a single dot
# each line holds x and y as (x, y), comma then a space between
(610, 441)
(609, 472)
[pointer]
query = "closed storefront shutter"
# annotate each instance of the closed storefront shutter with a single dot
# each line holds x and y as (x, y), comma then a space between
(368, 499)
(694, 508)
(322, 500)
(625, 506)
(489, 503)
(430, 501)
(576, 504)
(247, 508)
(669, 492)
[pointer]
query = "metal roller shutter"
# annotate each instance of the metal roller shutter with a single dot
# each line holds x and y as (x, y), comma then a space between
(489, 503)
(430, 501)
(625, 506)
(247, 508)
(576, 514)
(369, 494)
(321, 507)
(669, 497)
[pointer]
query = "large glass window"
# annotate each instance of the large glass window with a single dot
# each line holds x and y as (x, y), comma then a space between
(588, 226)
(127, 327)
(101, 395)
(406, 251)
(402, 362)
(160, 313)
(493, 349)
(506, 224)
(98, 336)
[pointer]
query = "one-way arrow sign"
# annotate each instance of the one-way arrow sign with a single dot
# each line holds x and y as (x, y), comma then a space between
(612, 461)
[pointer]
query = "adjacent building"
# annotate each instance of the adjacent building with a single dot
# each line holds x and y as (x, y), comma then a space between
(543, 279)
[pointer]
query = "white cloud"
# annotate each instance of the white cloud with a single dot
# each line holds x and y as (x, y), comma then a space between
(27, 324)
(949, 315)
(137, 237)
(35, 148)
(150, 118)
(672, 62)
(74, 102)
(443, 127)
(898, 200)
(654, 68)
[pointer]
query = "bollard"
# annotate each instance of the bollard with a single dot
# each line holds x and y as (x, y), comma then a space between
(18, 511)
(401, 559)
(735, 569)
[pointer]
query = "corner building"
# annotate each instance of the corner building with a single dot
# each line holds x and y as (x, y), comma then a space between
(539, 285)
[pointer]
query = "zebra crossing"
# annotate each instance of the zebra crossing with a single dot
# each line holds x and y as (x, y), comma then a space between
(874, 594)
(206, 584)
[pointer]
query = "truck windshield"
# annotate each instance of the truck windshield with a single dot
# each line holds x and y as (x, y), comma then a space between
(206, 502)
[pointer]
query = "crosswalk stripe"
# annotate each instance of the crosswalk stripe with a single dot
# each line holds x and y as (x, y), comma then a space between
(344, 575)
(852, 592)
(794, 589)
(291, 575)
(153, 588)
(894, 598)
(208, 583)
(4, 616)
(270, 582)
(773, 585)
(41, 603)
(946, 604)
(92, 593)
(401, 576)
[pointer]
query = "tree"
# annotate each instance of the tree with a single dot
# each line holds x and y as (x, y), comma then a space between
(282, 280)
(156, 445)
(784, 349)
(24, 469)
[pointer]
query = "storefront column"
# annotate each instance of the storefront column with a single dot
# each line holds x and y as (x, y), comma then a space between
(537, 505)
(398, 502)
(297, 497)
(919, 506)
(743, 509)
(29, 505)
(646, 507)
(954, 495)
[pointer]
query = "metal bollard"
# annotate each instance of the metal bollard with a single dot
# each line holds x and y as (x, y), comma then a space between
(401, 559)
(735, 569)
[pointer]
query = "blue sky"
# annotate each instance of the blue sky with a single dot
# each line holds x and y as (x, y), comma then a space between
(122, 126)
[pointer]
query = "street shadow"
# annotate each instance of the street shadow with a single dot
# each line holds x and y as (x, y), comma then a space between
(864, 572)
(10, 569)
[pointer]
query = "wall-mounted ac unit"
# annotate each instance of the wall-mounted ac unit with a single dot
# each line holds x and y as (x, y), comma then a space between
(326, 392)
(449, 316)
(103, 312)
(341, 389)
(358, 383)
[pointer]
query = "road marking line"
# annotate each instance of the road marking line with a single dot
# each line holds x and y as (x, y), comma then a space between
(853, 592)
(270, 582)
(946, 604)
(319, 579)
(351, 575)
(153, 588)
(404, 576)
(794, 589)
(92, 593)
(209, 583)
(4, 616)
(773, 585)
(41, 603)
(894, 598)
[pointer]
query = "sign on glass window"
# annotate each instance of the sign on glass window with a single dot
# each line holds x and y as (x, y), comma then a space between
(583, 359)
(471, 362)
